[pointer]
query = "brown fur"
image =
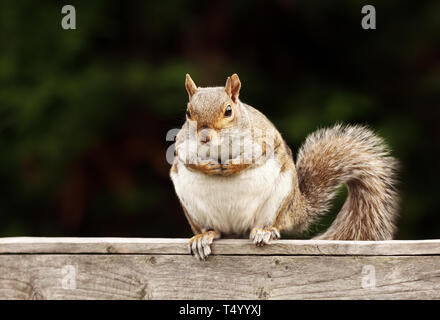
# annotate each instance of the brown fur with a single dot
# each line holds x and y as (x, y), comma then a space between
(173, 168)
(219, 169)
(196, 229)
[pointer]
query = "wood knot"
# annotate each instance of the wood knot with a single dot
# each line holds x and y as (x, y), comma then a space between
(111, 249)
(262, 293)
(145, 294)
(36, 295)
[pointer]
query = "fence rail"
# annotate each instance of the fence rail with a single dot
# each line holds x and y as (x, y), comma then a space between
(132, 268)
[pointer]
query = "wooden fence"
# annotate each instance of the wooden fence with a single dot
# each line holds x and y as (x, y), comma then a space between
(129, 268)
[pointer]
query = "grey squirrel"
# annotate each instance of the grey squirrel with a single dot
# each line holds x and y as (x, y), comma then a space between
(225, 190)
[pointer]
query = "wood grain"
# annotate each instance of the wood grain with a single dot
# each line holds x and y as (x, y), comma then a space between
(115, 268)
(220, 247)
(221, 277)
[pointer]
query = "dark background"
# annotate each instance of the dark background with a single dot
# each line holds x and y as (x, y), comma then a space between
(84, 113)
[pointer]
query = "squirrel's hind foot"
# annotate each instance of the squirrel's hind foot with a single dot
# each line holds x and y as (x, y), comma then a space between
(262, 236)
(200, 244)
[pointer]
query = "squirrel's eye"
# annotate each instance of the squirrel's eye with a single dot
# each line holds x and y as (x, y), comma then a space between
(188, 114)
(228, 111)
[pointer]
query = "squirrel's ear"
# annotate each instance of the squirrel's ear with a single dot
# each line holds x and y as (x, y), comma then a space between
(190, 86)
(233, 86)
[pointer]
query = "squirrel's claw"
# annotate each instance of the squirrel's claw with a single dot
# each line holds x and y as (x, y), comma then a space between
(262, 236)
(200, 244)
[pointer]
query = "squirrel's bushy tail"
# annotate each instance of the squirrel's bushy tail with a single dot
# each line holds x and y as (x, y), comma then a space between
(357, 157)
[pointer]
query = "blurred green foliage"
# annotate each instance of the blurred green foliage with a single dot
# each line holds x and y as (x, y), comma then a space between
(84, 113)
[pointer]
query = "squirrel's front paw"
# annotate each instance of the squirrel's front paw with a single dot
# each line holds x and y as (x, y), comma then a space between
(200, 244)
(262, 236)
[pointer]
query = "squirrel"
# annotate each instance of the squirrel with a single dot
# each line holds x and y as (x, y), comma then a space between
(261, 194)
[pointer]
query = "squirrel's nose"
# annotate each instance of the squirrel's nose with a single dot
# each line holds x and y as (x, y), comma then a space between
(204, 138)
(206, 135)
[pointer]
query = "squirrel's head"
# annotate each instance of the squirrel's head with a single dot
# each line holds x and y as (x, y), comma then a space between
(217, 129)
(214, 108)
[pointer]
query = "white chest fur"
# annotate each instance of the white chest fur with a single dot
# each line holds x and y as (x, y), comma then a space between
(233, 204)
